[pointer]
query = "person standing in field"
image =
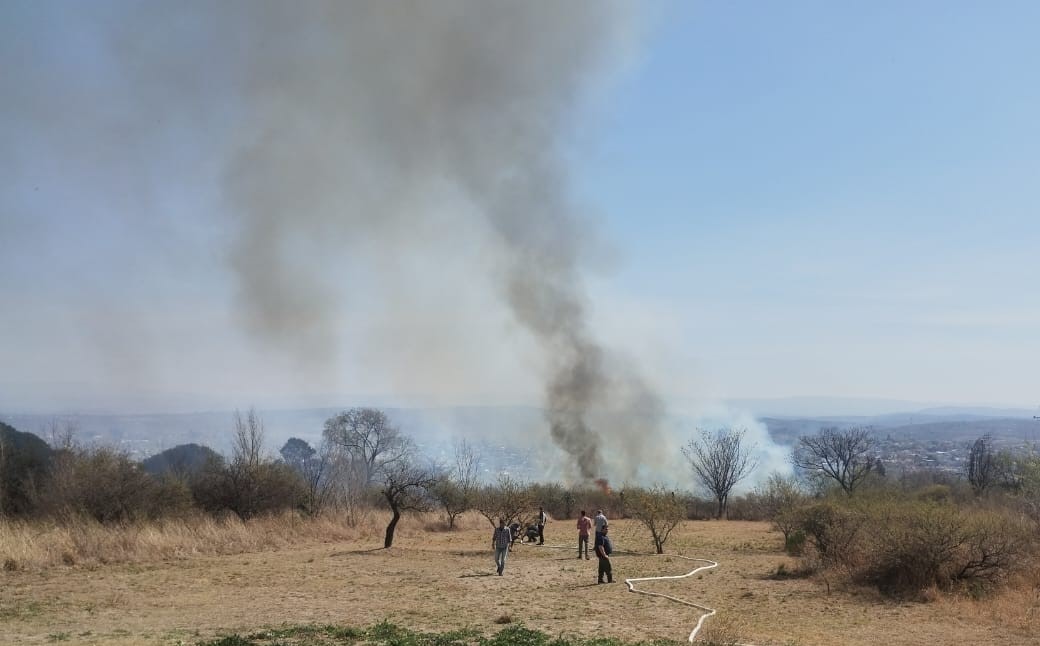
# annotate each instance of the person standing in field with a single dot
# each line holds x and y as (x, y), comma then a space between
(584, 525)
(500, 542)
(603, 549)
(543, 518)
(600, 521)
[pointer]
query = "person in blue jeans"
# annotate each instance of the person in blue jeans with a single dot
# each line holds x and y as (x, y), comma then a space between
(603, 549)
(500, 542)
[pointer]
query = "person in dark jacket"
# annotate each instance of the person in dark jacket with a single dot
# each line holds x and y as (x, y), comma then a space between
(603, 549)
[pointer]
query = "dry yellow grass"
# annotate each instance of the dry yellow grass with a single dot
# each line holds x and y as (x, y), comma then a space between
(38, 545)
(178, 583)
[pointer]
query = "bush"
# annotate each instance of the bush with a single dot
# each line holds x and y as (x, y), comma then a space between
(794, 542)
(247, 489)
(833, 531)
(101, 483)
(915, 544)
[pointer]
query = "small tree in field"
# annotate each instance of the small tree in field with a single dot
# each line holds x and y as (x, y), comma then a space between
(456, 490)
(778, 499)
(719, 461)
(508, 499)
(659, 510)
(405, 488)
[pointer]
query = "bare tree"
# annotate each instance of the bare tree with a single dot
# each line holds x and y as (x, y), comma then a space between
(778, 498)
(62, 434)
(456, 490)
(248, 442)
(719, 461)
(376, 452)
(842, 455)
(981, 467)
(659, 510)
(405, 488)
(507, 499)
(368, 438)
(317, 468)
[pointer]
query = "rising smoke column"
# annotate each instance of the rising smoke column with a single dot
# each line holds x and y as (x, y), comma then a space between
(352, 118)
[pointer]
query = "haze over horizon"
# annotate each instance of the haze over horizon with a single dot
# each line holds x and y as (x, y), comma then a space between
(761, 202)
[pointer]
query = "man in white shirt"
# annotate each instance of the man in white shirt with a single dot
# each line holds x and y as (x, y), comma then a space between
(600, 521)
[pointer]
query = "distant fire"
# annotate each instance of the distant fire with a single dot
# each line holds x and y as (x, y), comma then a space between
(603, 485)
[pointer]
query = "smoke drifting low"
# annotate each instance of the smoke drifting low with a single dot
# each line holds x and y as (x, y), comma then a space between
(363, 111)
(362, 146)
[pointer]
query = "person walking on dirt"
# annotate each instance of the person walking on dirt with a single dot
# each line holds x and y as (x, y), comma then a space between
(500, 542)
(584, 525)
(543, 518)
(603, 549)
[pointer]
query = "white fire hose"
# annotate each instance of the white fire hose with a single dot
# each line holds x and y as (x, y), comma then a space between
(705, 610)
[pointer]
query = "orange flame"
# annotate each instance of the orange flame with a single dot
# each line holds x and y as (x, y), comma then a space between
(603, 485)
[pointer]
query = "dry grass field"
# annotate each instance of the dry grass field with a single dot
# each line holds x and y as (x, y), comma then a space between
(185, 583)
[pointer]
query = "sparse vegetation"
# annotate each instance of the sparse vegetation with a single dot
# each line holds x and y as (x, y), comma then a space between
(659, 510)
(388, 634)
(921, 536)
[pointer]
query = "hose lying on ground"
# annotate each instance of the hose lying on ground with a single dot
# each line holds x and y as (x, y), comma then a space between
(705, 611)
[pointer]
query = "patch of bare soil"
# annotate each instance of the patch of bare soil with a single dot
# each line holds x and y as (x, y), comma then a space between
(446, 580)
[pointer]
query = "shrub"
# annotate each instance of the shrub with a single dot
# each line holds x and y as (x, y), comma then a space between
(833, 531)
(101, 483)
(247, 489)
(917, 547)
(915, 544)
(794, 542)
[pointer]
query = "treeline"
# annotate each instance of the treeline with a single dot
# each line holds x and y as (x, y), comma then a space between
(840, 513)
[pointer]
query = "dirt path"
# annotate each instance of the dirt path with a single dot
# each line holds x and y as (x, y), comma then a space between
(448, 582)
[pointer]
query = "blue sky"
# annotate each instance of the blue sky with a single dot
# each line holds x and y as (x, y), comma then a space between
(835, 199)
(790, 199)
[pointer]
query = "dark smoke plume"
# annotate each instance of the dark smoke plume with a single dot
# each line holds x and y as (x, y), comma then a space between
(375, 129)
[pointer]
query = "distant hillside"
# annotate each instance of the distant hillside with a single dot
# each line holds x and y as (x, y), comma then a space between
(181, 460)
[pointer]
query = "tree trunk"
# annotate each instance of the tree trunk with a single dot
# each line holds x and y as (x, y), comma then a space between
(721, 508)
(391, 527)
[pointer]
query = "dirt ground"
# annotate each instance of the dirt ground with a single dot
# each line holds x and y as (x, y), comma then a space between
(445, 580)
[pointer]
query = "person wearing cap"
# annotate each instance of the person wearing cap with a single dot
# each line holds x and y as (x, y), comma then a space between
(603, 549)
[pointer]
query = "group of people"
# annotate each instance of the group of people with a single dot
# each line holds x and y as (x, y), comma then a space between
(601, 546)
(504, 537)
